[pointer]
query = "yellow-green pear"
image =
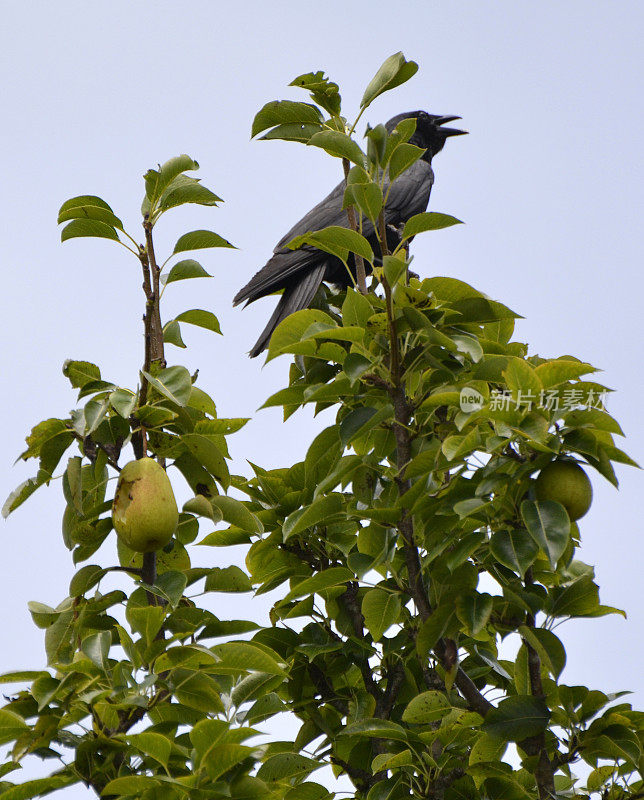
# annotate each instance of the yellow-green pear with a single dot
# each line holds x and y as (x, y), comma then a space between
(144, 511)
(567, 483)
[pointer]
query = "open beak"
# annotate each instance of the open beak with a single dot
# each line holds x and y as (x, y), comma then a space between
(449, 131)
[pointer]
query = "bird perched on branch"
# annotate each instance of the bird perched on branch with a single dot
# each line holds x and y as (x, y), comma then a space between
(300, 272)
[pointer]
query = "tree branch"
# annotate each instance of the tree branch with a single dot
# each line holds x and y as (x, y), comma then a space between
(536, 745)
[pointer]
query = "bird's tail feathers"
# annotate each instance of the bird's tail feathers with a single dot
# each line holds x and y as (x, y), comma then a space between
(294, 298)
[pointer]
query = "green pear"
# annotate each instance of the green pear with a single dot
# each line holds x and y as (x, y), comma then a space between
(566, 483)
(144, 511)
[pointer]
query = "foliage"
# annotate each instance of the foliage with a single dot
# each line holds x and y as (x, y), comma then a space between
(410, 553)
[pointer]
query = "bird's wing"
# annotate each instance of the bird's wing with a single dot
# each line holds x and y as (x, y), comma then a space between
(327, 212)
(407, 195)
(294, 298)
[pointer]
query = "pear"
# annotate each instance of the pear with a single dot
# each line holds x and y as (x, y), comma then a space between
(566, 483)
(144, 511)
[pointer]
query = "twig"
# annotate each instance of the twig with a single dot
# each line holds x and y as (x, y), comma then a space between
(361, 275)
(536, 745)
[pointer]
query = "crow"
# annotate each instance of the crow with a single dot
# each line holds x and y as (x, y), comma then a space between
(300, 272)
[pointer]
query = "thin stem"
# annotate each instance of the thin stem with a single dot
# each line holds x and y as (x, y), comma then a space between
(357, 120)
(361, 275)
(445, 648)
(544, 772)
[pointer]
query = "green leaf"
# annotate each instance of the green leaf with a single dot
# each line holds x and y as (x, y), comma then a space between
(578, 599)
(356, 365)
(323, 453)
(23, 492)
(154, 416)
(376, 143)
(94, 212)
(323, 91)
(237, 514)
(202, 507)
(86, 577)
(203, 319)
(514, 549)
(522, 381)
(143, 618)
(560, 370)
(95, 412)
(40, 434)
(389, 761)
(516, 718)
(367, 197)
(372, 728)
(356, 308)
(170, 585)
(426, 707)
(204, 449)
(428, 221)
(487, 748)
(285, 112)
(96, 647)
(132, 785)
(199, 240)
(245, 656)
(308, 791)
(88, 227)
(287, 766)
(185, 189)
(549, 648)
(615, 742)
(173, 383)
(184, 270)
(228, 579)
(293, 132)
(340, 145)
(393, 72)
(254, 686)
(598, 777)
(11, 726)
(22, 676)
(40, 786)
(152, 744)
(474, 611)
(320, 510)
(123, 402)
(433, 628)
(84, 200)
(402, 158)
(172, 334)
(354, 422)
(337, 241)
(394, 268)
(203, 402)
(459, 447)
(157, 180)
(292, 329)
(381, 610)
(80, 372)
(197, 690)
(334, 576)
(548, 524)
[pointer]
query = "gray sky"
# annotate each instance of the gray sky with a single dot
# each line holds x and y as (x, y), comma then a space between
(549, 182)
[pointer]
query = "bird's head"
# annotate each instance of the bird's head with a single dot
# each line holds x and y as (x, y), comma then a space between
(429, 132)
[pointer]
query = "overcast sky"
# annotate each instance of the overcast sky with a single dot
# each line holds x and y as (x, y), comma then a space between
(549, 183)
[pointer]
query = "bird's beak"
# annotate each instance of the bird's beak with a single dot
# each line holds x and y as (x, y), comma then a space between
(449, 131)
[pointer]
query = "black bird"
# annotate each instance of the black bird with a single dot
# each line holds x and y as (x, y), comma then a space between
(300, 272)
